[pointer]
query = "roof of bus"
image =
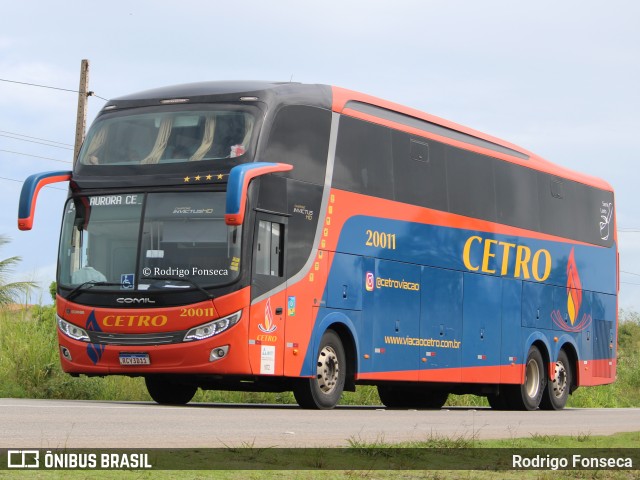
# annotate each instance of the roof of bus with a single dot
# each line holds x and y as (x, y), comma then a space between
(338, 99)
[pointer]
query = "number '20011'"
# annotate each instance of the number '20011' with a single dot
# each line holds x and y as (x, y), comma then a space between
(197, 312)
(381, 239)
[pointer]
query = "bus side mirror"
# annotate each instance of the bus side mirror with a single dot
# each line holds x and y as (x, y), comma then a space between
(239, 179)
(29, 195)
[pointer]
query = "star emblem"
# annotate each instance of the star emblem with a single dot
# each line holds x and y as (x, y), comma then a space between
(197, 178)
(186, 179)
(208, 177)
(220, 176)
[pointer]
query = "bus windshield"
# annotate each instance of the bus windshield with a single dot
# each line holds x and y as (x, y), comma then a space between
(149, 136)
(148, 241)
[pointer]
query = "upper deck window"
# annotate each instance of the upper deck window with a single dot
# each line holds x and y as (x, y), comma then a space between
(166, 135)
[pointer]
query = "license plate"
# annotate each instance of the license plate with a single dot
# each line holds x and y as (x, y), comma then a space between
(134, 359)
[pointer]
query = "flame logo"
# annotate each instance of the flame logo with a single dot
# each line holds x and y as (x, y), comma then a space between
(268, 326)
(574, 288)
(574, 301)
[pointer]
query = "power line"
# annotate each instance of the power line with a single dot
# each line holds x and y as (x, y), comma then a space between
(36, 138)
(36, 156)
(630, 273)
(34, 141)
(89, 93)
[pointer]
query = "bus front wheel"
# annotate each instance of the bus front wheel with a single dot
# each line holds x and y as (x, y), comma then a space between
(168, 392)
(324, 389)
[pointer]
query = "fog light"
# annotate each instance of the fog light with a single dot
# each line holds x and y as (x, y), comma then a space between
(218, 353)
(65, 353)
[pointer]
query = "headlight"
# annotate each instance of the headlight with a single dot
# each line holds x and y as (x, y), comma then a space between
(70, 330)
(210, 329)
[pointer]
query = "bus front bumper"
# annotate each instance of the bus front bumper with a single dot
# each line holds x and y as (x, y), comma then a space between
(222, 354)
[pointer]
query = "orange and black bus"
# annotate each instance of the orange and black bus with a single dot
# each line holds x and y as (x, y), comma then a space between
(280, 236)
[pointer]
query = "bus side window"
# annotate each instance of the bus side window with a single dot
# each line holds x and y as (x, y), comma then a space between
(419, 151)
(269, 255)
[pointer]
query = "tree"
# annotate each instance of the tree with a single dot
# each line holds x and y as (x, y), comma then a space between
(11, 292)
(53, 289)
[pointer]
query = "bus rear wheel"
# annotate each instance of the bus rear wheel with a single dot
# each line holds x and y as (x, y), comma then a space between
(557, 392)
(529, 395)
(169, 392)
(323, 391)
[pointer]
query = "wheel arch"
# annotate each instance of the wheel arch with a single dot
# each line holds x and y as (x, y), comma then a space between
(345, 329)
(541, 342)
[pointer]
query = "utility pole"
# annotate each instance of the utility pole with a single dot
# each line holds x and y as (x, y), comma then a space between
(81, 119)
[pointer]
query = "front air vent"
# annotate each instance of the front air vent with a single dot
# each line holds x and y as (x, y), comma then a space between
(161, 338)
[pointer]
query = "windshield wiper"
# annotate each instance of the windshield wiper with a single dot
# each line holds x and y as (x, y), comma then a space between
(179, 279)
(88, 285)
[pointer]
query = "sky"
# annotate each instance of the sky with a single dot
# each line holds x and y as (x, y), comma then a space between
(560, 79)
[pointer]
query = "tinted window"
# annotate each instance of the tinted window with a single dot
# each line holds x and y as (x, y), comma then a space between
(419, 171)
(155, 136)
(516, 195)
(300, 137)
(470, 184)
(364, 163)
(555, 197)
(386, 163)
(593, 213)
(269, 248)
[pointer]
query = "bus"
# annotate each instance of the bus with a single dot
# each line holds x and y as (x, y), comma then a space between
(261, 236)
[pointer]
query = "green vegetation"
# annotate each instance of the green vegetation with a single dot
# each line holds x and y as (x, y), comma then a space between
(30, 368)
(11, 292)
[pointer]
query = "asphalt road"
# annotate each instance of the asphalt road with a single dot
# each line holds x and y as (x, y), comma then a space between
(85, 424)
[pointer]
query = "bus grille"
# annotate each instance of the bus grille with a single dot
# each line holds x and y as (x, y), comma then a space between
(161, 338)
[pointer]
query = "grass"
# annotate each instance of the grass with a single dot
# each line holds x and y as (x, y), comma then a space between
(30, 368)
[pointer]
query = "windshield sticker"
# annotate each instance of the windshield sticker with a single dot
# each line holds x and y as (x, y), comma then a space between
(126, 281)
(235, 264)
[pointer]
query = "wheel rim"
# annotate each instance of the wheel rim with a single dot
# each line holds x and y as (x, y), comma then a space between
(328, 369)
(559, 383)
(532, 382)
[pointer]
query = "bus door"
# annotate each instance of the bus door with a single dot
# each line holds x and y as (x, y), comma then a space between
(441, 325)
(268, 313)
(396, 318)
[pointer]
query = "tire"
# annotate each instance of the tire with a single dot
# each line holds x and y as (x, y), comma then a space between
(557, 392)
(168, 392)
(393, 396)
(323, 391)
(418, 397)
(529, 395)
